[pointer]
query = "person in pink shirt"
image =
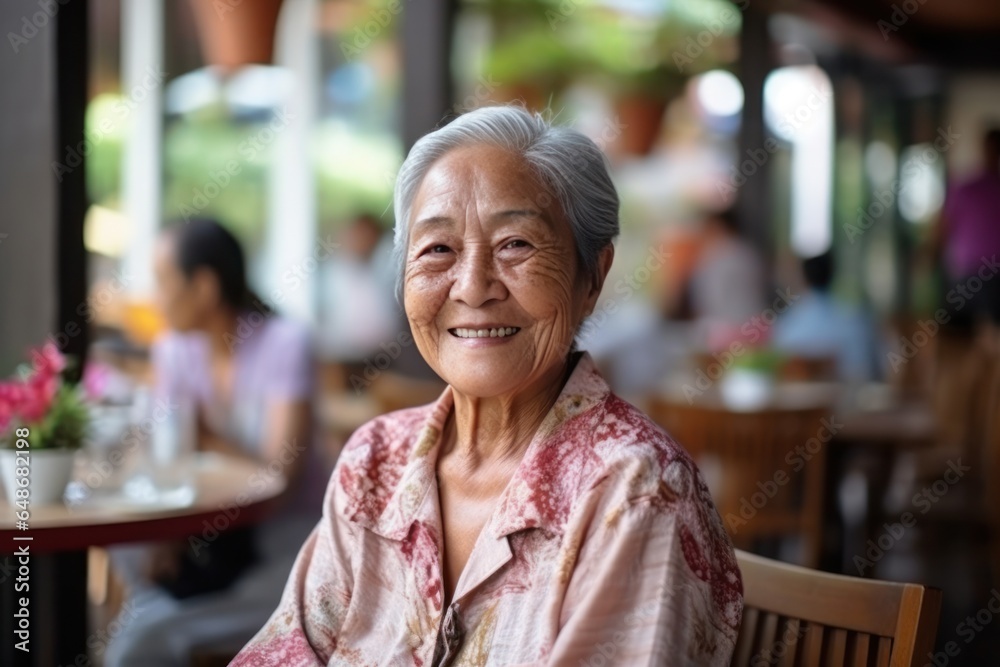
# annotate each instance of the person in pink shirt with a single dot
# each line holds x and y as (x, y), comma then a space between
(528, 516)
(968, 234)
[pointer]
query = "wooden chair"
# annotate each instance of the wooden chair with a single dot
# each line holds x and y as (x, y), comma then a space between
(794, 617)
(745, 456)
(990, 411)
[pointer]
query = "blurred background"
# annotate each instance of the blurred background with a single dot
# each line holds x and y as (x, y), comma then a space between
(810, 218)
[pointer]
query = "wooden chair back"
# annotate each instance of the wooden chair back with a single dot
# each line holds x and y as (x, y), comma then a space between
(989, 411)
(795, 617)
(765, 469)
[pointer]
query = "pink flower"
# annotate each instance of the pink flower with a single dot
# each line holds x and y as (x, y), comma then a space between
(9, 399)
(37, 398)
(30, 399)
(95, 380)
(48, 360)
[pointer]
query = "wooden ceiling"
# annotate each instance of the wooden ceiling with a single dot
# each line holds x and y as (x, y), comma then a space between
(961, 34)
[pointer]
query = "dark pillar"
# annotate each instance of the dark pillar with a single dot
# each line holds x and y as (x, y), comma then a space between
(754, 200)
(427, 81)
(71, 76)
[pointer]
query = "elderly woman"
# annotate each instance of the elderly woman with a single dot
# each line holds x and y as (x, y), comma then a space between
(529, 515)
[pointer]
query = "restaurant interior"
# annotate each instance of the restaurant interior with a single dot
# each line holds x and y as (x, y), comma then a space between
(793, 297)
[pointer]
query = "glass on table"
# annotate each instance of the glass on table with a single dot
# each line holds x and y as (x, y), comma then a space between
(167, 469)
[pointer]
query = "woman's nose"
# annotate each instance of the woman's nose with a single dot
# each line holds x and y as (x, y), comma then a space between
(476, 280)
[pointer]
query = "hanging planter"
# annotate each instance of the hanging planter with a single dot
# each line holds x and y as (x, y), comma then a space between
(235, 33)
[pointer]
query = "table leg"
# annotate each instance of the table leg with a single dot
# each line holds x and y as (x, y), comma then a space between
(834, 533)
(57, 610)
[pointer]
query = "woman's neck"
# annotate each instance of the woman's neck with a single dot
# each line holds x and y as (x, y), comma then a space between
(222, 334)
(497, 429)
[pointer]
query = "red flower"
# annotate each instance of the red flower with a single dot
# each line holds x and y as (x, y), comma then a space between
(30, 399)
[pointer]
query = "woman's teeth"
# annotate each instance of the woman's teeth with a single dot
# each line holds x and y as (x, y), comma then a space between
(486, 333)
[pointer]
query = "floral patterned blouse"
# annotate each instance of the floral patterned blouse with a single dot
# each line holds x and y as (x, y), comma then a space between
(604, 549)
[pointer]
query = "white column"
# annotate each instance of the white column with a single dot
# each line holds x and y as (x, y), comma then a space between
(291, 254)
(142, 88)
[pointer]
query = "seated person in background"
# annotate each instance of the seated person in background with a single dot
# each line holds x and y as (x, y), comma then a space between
(249, 373)
(726, 287)
(357, 309)
(528, 515)
(967, 237)
(819, 325)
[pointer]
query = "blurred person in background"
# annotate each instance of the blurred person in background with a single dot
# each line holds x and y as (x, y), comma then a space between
(967, 237)
(358, 311)
(528, 515)
(726, 286)
(250, 374)
(819, 325)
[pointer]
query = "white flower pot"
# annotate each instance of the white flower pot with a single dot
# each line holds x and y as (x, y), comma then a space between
(745, 390)
(49, 472)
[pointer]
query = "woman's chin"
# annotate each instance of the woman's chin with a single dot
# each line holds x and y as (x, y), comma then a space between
(474, 385)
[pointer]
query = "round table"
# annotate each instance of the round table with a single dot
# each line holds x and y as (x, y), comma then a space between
(229, 492)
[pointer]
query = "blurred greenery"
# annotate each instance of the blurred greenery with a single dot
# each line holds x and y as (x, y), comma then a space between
(214, 166)
(552, 44)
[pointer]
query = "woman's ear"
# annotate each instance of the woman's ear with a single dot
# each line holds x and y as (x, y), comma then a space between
(596, 283)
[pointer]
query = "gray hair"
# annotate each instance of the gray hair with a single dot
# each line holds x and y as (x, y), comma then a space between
(570, 165)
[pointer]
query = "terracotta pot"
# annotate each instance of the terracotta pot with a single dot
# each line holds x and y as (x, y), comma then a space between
(234, 33)
(642, 117)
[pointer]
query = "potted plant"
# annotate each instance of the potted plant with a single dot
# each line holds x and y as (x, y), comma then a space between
(749, 383)
(43, 423)
(233, 33)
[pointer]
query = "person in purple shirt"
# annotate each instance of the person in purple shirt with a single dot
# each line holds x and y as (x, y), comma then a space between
(968, 234)
(249, 374)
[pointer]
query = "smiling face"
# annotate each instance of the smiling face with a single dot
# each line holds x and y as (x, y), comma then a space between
(492, 285)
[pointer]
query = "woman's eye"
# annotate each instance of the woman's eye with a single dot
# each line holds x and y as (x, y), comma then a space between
(439, 248)
(516, 243)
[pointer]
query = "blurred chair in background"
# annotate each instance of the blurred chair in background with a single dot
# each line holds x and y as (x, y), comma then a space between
(765, 469)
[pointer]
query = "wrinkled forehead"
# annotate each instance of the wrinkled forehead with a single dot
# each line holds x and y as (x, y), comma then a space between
(487, 178)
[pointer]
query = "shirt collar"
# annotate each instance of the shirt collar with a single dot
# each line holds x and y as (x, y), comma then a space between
(540, 492)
